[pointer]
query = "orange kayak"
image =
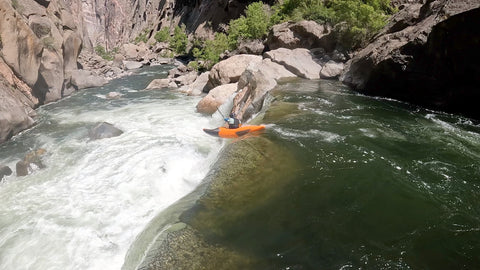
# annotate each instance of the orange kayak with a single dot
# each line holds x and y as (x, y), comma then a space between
(234, 132)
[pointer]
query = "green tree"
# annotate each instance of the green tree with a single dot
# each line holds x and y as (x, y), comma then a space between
(255, 24)
(163, 35)
(179, 41)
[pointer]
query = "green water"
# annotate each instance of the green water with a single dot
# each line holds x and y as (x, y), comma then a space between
(375, 184)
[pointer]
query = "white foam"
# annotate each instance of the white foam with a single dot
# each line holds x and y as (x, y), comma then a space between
(85, 209)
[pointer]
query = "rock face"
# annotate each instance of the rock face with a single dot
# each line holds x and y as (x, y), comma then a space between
(16, 113)
(427, 55)
(39, 47)
(103, 22)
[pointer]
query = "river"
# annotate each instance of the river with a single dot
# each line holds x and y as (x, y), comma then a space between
(87, 206)
(373, 183)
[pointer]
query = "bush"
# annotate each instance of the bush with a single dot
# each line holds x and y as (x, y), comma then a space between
(163, 35)
(143, 37)
(362, 21)
(211, 51)
(179, 41)
(356, 20)
(255, 24)
(100, 50)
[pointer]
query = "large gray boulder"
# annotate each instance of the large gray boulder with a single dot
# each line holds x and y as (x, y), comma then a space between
(161, 83)
(229, 70)
(303, 34)
(331, 70)
(129, 65)
(428, 55)
(104, 130)
(216, 97)
(86, 79)
(254, 84)
(186, 78)
(298, 61)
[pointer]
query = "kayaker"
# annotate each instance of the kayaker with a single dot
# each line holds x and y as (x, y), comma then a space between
(232, 121)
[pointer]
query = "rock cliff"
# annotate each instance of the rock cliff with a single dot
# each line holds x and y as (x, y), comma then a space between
(39, 45)
(104, 22)
(427, 55)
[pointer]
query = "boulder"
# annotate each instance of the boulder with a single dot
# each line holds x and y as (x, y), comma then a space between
(133, 52)
(186, 78)
(118, 60)
(216, 97)
(159, 83)
(229, 70)
(426, 56)
(4, 171)
(298, 61)
(113, 95)
(197, 87)
(104, 130)
(254, 84)
(132, 65)
(303, 34)
(331, 70)
(255, 47)
(86, 79)
(34, 157)
(22, 168)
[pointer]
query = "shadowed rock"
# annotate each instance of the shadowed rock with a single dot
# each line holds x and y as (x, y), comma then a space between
(4, 171)
(104, 130)
(428, 55)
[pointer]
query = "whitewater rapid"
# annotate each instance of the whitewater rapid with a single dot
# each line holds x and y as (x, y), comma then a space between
(85, 209)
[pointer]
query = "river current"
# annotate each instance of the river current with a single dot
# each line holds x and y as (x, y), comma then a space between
(376, 183)
(87, 206)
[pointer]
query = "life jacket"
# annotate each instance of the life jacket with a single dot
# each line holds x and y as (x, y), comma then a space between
(233, 123)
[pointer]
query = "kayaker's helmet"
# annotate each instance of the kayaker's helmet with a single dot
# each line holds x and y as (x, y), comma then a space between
(232, 115)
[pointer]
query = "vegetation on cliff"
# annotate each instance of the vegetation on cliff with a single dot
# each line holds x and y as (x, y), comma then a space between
(354, 23)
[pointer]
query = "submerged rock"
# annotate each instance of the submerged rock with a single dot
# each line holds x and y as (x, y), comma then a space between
(104, 130)
(246, 176)
(4, 171)
(23, 167)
